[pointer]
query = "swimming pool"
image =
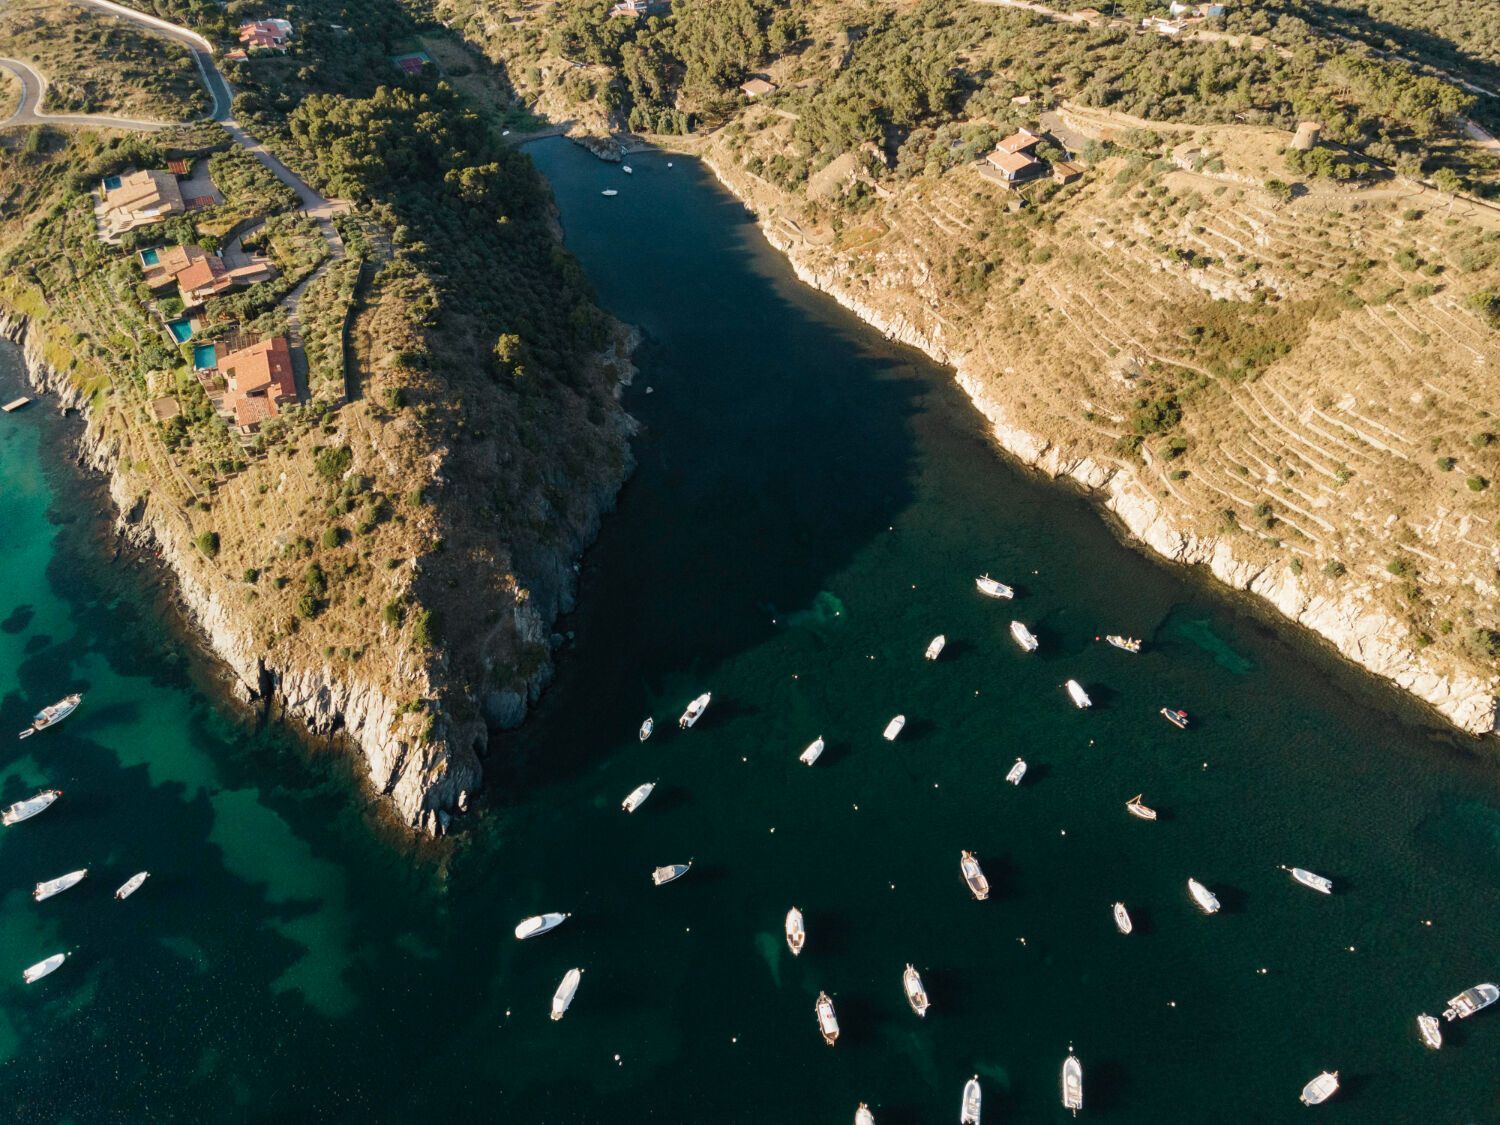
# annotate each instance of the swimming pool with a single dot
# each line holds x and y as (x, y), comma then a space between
(205, 357)
(150, 257)
(111, 182)
(181, 329)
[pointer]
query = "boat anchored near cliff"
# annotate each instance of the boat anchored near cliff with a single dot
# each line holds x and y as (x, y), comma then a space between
(968, 866)
(813, 752)
(637, 796)
(695, 710)
(647, 727)
(1017, 772)
(796, 934)
(828, 1020)
(1205, 898)
(131, 885)
(968, 1113)
(935, 647)
(1308, 879)
(1137, 809)
(992, 589)
(893, 728)
(1321, 1088)
(1122, 919)
(52, 714)
(1471, 1000)
(1125, 644)
(1072, 1082)
(1076, 693)
(50, 887)
(25, 810)
(1178, 719)
(916, 995)
(670, 872)
(43, 968)
(562, 999)
(539, 924)
(1430, 1030)
(1023, 637)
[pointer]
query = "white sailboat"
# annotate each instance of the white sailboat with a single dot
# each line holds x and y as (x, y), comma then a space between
(968, 866)
(647, 727)
(935, 647)
(669, 872)
(813, 751)
(1430, 1030)
(1127, 644)
(52, 714)
(1023, 637)
(1471, 1000)
(1135, 808)
(1308, 879)
(637, 796)
(893, 728)
(992, 589)
(538, 924)
(1017, 772)
(1203, 897)
(1072, 1083)
(796, 934)
(25, 810)
(916, 995)
(828, 1021)
(1122, 919)
(50, 887)
(43, 968)
(131, 885)
(863, 1116)
(969, 1114)
(1321, 1088)
(695, 710)
(1076, 693)
(563, 997)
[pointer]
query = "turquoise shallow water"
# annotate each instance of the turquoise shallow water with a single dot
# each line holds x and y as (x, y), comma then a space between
(811, 507)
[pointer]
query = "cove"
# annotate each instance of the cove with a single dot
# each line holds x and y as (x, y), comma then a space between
(810, 508)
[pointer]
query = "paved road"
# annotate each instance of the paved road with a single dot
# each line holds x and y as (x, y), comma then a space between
(202, 49)
(34, 91)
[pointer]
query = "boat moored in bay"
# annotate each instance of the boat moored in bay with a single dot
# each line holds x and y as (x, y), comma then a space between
(1136, 808)
(1122, 919)
(935, 647)
(1471, 1000)
(893, 728)
(863, 1116)
(669, 872)
(25, 810)
(828, 1021)
(43, 968)
(131, 885)
(637, 796)
(1430, 1030)
(916, 995)
(1321, 1088)
(1072, 1082)
(1125, 644)
(647, 727)
(813, 752)
(563, 997)
(979, 886)
(1204, 897)
(992, 589)
(695, 710)
(538, 924)
(1023, 637)
(50, 887)
(52, 714)
(1178, 719)
(1017, 772)
(1076, 693)
(796, 935)
(1308, 879)
(969, 1113)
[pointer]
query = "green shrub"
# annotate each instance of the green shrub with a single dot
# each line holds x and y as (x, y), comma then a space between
(332, 537)
(1446, 464)
(1399, 567)
(1334, 569)
(333, 462)
(393, 613)
(1477, 484)
(208, 543)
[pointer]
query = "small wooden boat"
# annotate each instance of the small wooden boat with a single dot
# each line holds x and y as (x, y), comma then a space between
(131, 885)
(1204, 897)
(1178, 719)
(968, 866)
(695, 710)
(1128, 644)
(863, 1116)
(44, 968)
(1076, 693)
(1072, 1083)
(992, 589)
(25, 810)
(1430, 1030)
(916, 995)
(828, 1021)
(647, 727)
(969, 1113)
(50, 887)
(1023, 637)
(1135, 808)
(813, 752)
(1308, 879)
(52, 714)
(893, 728)
(1122, 919)
(563, 997)
(1471, 1000)
(1321, 1088)
(637, 796)
(671, 871)
(935, 647)
(1017, 772)
(796, 935)
(538, 924)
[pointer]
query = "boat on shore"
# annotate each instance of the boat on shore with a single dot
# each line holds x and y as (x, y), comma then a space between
(695, 710)
(43, 968)
(52, 714)
(637, 796)
(1308, 879)
(1125, 644)
(863, 1116)
(25, 810)
(1017, 772)
(969, 1114)
(916, 995)
(1122, 919)
(1321, 1088)
(539, 924)
(1072, 1082)
(563, 997)
(1023, 637)
(828, 1021)
(1178, 719)
(1136, 808)
(796, 934)
(50, 887)
(893, 728)
(131, 885)
(1471, 1000)
(1430, 1030)
(935, 647)
(992, 589)
(1205, 898)
(979, 886)
(670, 872)
(1076, 693)
(813, 752)
(647, 727)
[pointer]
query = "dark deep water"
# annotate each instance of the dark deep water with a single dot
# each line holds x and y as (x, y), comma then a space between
(811, 507)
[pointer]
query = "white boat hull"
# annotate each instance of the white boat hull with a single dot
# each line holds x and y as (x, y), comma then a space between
(1023, 637)
(131, 885)
(1321, 1088)
(538, 924)
(646, 728)
(969, 1113)
(1316, 882)
(935, 647)
(916, 995)
(992, 589)
(1205, 898)
(562, 999)
(670, 873)
(637, 796)
(1017, 772)
(50, 887)
(1122, 919)
(796, 934)
(1072, 1084)
(25, 810)
(1431, 1031)
(44, 968)
(1079, 697)
(828, 1020)
(893, 728)
(812, 753)
(695, 710)
(973, 875)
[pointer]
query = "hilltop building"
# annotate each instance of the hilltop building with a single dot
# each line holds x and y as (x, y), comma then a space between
(138, 199)
(259, 382)
(266, 35)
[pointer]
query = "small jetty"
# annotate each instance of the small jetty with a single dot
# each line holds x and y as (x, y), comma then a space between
(15, 404)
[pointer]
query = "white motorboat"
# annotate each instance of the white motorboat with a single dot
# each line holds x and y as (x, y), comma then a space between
(935, 647)
(1430, 1030)
(1178, 719)
(1017, 772)
(969, 1114)
(538, 924)
(44, 968)
(1023, 636)
(863, 1116)
(1076, 693)
(50, 887)
(637, 796)
(813, 751)
(695, 710)
(1127, 644)
(670, 872)
(992, 589)
(1204, 897)
(626, 168)
(1471, 1000)
(828, 1021)
(1308, 879)
(647, 727)
(131, 885)
(25, 810)
(968, 866)
(611, 192)
(563, 997)
(1072, 1083)
(893, 728)
(1321, 1088)
(916, 995)
(52, 714)
(1122, 919)
(1135, 808)
(796, 934)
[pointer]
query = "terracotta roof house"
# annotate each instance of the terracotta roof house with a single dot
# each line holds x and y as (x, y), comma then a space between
(209, 276)
(259, 381)
(169, 263)
(1014, 166)
(139, 199)
(1065, 173)
(757, 88)
(266, 35)
(1023, 140)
